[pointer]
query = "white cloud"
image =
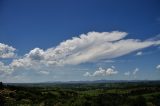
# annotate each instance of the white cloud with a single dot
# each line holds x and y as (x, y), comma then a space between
(127, 73)
(108, 61)
(44, 72)
(34, 59)
(113, 67)
(6, 51)
(139, 53)
(89, 47)
(111, 71)
(99, 72)
(5, 69)
(35, 54)
(87, 74)
(81, 49)
(135, 71)
(158, 67)
(102, 72)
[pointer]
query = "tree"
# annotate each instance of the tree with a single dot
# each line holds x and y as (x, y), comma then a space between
(1, 85)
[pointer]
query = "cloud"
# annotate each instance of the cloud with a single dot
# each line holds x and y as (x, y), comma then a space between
(87, 74)
(6, 51)
(33, 60)
(127, 73)
(102, 72)
(139, 53)
(135, 71)
(108, 61)
(5, 69)
(158, 67)
(35, 54)
(81, 49)
(101, 48)
(113, 67)
(44, 72)
(90, 47)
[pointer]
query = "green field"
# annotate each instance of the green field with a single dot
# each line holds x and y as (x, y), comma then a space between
(81, 94)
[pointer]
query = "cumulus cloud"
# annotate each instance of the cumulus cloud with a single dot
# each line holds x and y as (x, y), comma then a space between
(139, 53)
(31, 60)
(102, 72)
(133, 73)
(87, 74)
(89, 47)
(98, 47)
(158, 67)
(35, 54)
(6, 51)
(5, 69)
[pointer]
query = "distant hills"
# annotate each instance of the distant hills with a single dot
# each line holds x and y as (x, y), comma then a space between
(103, 81)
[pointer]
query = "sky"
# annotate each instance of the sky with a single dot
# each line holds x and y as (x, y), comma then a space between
(75, 40)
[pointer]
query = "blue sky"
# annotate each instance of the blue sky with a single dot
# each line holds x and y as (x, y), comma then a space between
(34, 36)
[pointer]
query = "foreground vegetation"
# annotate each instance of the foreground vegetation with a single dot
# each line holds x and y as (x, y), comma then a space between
(82, 94)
